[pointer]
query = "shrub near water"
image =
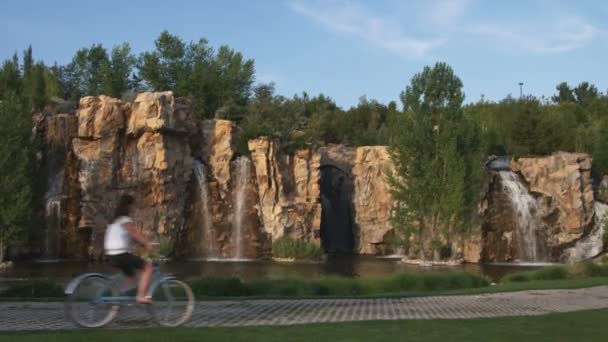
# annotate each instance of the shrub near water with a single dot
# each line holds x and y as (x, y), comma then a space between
(297, 249)
(576, 271)
(33, 289)
(337, 286)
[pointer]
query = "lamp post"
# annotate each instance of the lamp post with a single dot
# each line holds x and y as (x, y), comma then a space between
(521, 93)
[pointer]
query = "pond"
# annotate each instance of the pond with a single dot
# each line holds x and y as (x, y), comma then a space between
(346, 266)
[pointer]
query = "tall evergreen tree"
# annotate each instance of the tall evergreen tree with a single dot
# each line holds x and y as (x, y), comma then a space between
(16, 170)
(117, 71)
(431, 144)
(217, 82)
(564, 93)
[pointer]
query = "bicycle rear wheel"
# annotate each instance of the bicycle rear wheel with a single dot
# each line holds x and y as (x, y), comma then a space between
(86, 306)
(172, 302)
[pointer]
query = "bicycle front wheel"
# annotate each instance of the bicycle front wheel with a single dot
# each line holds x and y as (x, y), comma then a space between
(86, 306)
(172, 302)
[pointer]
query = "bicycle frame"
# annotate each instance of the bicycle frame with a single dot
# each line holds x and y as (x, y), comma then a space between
(157, 277)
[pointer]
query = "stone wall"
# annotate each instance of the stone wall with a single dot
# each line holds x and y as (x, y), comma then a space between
(564, 207)
(227, 176)
(140, 149)
(288, 188)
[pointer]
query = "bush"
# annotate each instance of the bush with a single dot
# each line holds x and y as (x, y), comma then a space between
(336, 286)
(576, 271)
(33, 289)
(297, 249)
(551, 273)
(219, 287)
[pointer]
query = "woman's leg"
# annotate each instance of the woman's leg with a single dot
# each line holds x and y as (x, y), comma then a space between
(144, 281)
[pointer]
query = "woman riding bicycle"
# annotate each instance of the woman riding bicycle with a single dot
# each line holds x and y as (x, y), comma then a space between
(118, 247)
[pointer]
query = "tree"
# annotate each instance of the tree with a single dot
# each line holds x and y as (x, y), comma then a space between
(28, 62)
(585, 93)
(564, 93)
(15, 167)
(167, 67)
(117, 71)
(217, 82)
(38, 95)
(435, 150)
(10, 77)
(84, 75)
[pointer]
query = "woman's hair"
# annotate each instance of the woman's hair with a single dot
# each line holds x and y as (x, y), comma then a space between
(124, 204)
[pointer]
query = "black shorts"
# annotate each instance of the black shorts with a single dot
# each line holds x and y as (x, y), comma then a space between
(127, 263)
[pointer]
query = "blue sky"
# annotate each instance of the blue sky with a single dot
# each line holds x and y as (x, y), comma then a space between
(344, 49)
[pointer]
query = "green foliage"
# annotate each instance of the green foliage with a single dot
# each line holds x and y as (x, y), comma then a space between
(576, 271)
(33, 289)
(117, 71)
(215, 81)
(219, 287)
(564, 93)
(16, 169)
(337, 286)
(437, 154)
(291, 248)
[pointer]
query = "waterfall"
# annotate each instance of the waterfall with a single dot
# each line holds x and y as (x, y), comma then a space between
(592, 244)
(207, 238)
(52, 240)
(530, 249)
(243, 166)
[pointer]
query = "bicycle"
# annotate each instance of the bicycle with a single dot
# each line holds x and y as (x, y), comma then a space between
(94, 299)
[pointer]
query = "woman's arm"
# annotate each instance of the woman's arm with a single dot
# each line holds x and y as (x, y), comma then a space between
(137, 235)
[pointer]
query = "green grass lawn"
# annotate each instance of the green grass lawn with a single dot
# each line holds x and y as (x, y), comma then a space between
(578, 326)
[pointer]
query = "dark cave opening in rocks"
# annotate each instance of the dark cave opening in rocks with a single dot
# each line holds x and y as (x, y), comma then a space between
(337, 218)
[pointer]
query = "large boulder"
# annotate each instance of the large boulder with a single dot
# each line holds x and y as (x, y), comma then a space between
(563, 182)
(223, 220)
(288, 187)
(101, 117)
(540, 207)
(149, 158)
(160, 112)
(373, 202)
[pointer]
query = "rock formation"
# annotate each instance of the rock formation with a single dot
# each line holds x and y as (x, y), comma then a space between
(362, 171)
(288, 188)
(560, 208)
(373, 201)
(223, 217)
(194, 186)
(142, 150)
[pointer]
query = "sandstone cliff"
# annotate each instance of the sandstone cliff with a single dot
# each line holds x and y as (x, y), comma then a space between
(288, 188)
(554, 210)
(141, 150)
(223, 220)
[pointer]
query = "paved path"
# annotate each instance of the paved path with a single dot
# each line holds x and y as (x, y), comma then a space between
(50, 316)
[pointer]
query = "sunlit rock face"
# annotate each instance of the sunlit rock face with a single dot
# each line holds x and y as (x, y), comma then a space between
(223, 210)
(140, 149)
(539, 208)
(288, 189)
(195, 187)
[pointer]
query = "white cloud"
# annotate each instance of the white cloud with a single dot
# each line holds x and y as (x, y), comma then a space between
(446, 12)
(561, 36)
(352, 19)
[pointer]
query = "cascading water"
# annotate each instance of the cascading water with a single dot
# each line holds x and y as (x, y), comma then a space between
(207, 238)
(243, 166)
(592, 244)
(526, 219)
(52, 240)
(53, 228)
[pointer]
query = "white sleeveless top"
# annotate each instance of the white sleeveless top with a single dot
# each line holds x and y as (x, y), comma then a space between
(118, 239)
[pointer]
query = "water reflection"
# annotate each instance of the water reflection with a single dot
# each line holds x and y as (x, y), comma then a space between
(360, 266)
